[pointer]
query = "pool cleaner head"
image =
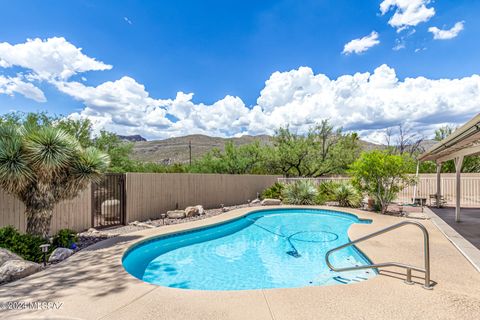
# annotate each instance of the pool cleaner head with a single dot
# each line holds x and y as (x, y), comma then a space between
(294, 253)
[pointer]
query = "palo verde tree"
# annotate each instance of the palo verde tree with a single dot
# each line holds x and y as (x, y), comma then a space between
(323, 150)
(382, 175)
(43, 165)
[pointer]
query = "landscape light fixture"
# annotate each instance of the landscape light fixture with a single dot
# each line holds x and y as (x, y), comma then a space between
(44, 248)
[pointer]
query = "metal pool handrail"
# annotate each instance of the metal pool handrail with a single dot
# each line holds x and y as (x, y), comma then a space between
(426, 248)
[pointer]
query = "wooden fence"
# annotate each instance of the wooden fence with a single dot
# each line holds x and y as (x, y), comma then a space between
(147, 196)
(73, 214)
(427, 185)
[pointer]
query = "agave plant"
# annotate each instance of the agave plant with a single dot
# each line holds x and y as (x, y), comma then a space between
(273, 192)
(347, 196)
(300, 192)
(327, 189)
(43, 166)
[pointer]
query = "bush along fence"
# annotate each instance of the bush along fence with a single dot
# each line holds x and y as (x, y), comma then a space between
(123, 198)
(426, 185)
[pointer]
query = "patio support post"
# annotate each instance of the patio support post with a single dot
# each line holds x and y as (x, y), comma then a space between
(439, 183)
(458, 196)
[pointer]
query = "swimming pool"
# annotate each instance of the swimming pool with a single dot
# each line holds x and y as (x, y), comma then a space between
(278, 248)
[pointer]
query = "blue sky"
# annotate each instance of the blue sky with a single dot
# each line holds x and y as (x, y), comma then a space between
(218, 49)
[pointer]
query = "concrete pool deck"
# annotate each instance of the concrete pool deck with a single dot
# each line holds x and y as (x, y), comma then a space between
(92, 284)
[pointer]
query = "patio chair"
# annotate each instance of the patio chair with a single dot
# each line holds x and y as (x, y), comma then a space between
(437, 201)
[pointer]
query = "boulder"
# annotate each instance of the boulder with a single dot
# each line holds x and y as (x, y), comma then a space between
(13, 270)
(201, 211)
(146, 224)
(255, 202)
(271, 202)
(60, 254)
(93, 230)
(111, 209)
(191, 212)
(6, 255)
(176, 214)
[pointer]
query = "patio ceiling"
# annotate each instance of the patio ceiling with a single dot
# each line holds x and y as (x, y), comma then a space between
(462, 142)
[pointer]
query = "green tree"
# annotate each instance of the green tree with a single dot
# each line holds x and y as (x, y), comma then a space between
(232, 160)
(443, 132)
(382, 175)
(80, 129)
(323, 150)
(118, 150)
(42, 166)
(290, 152)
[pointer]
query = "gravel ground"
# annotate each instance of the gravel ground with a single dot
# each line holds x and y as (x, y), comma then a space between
(91, 236)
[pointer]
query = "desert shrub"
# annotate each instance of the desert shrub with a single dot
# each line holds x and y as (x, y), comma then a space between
(25, 245)
(273, 192)
(326, 190)
(347, 196)
(382, 175)
(320, 198)
(301, 192)
(65, 238)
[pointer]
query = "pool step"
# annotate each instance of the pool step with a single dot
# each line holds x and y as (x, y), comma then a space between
(344, 280)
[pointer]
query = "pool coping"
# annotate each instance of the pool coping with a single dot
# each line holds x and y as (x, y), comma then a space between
(468, 250)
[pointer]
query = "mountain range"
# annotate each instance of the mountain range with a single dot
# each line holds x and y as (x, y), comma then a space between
(177, 150)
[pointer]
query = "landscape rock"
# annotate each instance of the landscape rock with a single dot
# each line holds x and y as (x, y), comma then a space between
(111, 209)
(146, 224)
(176, 214)
(201, 211)
(6, 255)
(271, 202)
(255, 202)
(191, 212)
(93, 230)
(60, 254)
(13, 270)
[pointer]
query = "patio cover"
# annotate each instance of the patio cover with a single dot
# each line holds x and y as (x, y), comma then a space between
(465, 141)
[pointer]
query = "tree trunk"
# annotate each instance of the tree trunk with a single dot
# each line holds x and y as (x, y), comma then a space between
(38, 222)
(384, 207)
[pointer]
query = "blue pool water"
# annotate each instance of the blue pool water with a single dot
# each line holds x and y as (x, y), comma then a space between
(280, 248)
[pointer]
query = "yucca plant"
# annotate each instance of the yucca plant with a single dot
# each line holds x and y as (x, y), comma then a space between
(347, 196)
(301, 192)
(42, 166)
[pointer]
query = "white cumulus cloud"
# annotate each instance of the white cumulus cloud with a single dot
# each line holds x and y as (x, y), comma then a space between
(363, 102)
(53, 58)
(12, 85)
(407, 13)
(362, 44)
(439, 34)
(367, 102)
